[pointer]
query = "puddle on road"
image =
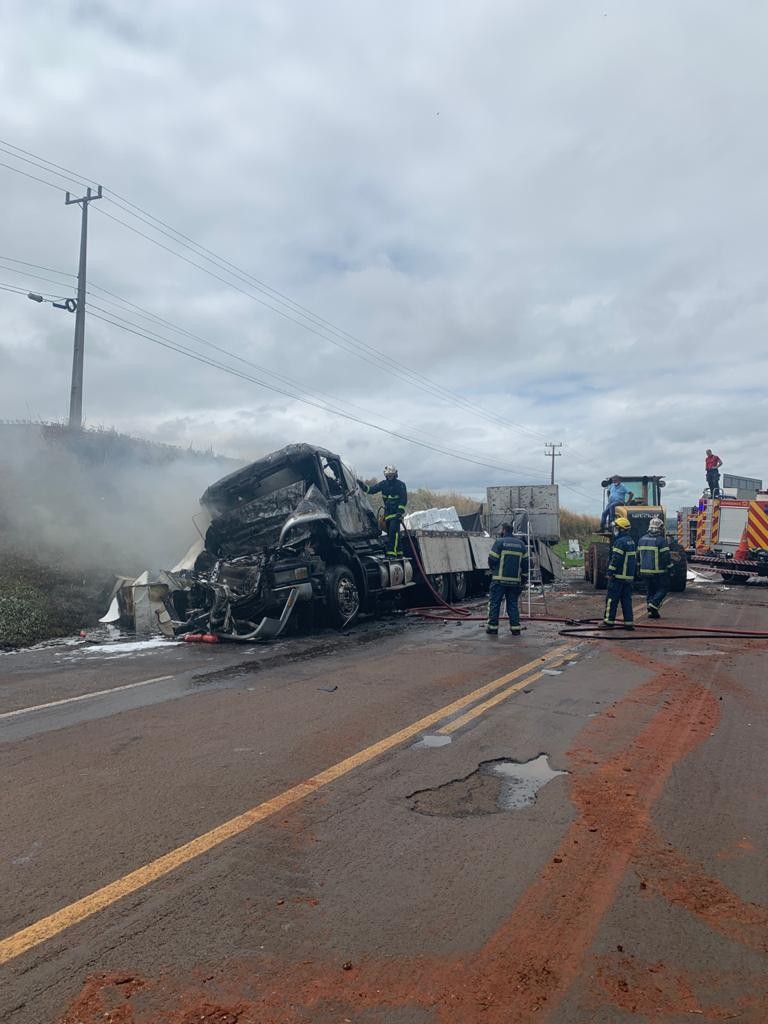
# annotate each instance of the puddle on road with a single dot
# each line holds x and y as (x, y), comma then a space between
(521, 782)
(431, 740)
(495, 786)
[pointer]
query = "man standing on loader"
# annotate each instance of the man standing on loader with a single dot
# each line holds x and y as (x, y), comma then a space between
(617, 495)
(508, 561)
(655, 563)
(395, 495)
(621, 576)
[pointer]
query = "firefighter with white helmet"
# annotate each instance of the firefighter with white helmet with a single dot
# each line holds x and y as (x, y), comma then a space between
(395, 496)
(655, 563)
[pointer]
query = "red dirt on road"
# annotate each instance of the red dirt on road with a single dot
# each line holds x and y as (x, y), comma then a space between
(620, 765)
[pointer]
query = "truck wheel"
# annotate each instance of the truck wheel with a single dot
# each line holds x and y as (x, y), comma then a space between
(342, 595)
(441, 584)
(458, 586)
(679, 579)
(599, 562)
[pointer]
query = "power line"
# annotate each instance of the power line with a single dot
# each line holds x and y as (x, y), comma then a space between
(325, 329)
(377, 360)
(181, 239)
(26, 174)
(172, 346)
(37, 277)
(15, 289)
(299, 388)
(36, 163)
(360, 348)
(37, 266)
(41, 159)
(339, 337)
(12, 288)
(116, 300)
(224, 264)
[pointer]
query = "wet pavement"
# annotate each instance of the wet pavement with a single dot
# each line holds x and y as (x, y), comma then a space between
(407, 823)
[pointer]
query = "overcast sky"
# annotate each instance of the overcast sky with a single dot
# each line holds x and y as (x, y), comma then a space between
(555, 209)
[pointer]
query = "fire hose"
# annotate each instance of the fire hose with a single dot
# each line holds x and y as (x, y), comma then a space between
(587, 629)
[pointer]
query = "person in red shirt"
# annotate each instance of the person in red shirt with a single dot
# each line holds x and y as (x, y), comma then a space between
(713, 464)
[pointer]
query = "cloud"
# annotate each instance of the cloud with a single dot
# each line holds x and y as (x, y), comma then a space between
(554, 211)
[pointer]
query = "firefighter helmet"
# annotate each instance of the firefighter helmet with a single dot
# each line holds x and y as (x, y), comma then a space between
(622, 523)
(390, 471)
(656, 525)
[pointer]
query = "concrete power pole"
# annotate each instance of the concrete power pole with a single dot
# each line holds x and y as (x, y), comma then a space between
(552, 454)
(76, 390)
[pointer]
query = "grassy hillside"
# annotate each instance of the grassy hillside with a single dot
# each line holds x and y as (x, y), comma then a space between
(41, 601)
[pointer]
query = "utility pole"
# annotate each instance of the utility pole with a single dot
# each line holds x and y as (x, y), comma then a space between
(552, 454)
(76, 390)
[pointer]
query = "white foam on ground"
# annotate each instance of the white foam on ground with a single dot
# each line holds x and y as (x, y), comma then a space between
(121, 650)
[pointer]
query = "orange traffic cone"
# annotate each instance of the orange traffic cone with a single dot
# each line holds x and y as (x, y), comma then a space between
(741, 554)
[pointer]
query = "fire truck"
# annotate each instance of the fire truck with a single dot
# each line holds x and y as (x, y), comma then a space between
(729, 535)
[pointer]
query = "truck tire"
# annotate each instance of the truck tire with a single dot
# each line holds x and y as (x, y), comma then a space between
(441, 584)
(342, 596)
(599, 562)
(678, 578)
(459, 586)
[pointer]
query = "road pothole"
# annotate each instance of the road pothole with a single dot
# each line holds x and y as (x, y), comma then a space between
(494, 786)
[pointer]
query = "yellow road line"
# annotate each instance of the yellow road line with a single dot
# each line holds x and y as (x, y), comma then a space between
(480, 709)
(48, 927)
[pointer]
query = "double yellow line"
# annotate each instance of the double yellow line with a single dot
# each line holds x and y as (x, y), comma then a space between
(48, 927)
(553, 659)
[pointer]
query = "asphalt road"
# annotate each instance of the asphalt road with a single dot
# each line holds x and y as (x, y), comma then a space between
(407, 824)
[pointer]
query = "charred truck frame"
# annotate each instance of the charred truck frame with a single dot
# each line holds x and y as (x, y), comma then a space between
(293, 528)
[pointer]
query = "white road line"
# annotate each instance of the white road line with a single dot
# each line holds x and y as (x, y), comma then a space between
(83, 696)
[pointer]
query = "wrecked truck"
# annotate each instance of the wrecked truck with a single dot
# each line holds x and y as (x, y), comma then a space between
(292, 535)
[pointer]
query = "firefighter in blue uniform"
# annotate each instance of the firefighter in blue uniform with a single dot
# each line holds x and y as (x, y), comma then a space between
(508, 561)
(395, 495)
(655, 563)
(621, 576)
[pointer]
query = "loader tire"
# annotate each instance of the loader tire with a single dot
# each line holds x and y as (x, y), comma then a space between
(588, 565)
(599, 562)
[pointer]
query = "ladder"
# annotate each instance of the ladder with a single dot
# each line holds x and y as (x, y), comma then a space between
(521, 523)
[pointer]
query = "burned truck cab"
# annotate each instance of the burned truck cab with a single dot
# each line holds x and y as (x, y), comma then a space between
(292, 527)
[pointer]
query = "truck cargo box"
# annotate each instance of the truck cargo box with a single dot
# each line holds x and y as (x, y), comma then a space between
(540, 501)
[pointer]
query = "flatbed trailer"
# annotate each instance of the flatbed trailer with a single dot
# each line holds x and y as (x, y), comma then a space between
(453, 562)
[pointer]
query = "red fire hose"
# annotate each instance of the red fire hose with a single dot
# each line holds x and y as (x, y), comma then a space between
(587, 629)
